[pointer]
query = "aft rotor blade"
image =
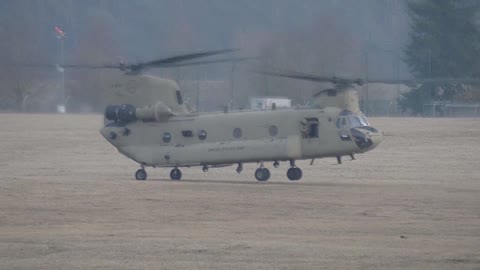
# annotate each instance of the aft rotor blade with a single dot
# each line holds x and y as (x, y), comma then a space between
(309, 77)
(346, 82)
(427, 80)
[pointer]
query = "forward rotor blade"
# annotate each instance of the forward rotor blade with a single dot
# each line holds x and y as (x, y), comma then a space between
(184, 57)
(68, 66)
(226, 60)
(91, 66)
(137, 68)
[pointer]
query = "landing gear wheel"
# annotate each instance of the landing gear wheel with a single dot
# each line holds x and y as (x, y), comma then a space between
(175, 174)
(291, 174)
(262, 174)
(299, 173)
(294, 174)
(141, 174)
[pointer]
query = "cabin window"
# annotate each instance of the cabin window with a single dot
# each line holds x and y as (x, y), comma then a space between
(202, 135)
(237, 132)
(179, 97)
(313, 132)
(166, 137)
(187, 133)
(310, 128)
(273, 130)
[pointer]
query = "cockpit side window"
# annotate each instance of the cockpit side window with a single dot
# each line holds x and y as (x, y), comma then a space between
(347, 119)
(364, 121)
(354, 121)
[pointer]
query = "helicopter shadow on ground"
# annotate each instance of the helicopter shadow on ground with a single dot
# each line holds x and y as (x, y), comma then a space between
(246, 182)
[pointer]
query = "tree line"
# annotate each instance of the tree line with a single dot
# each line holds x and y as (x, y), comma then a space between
(327, 38)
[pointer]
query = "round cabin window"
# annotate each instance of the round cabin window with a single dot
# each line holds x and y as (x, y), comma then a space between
(166, 137)
(237, 133)
(202, 134)
(273, 130)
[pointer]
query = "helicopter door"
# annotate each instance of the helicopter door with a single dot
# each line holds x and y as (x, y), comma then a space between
(310, 128)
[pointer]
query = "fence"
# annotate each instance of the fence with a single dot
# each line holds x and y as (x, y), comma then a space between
(441, 109)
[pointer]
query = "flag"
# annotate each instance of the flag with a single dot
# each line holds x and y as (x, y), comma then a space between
(59, 68)
(59, 31)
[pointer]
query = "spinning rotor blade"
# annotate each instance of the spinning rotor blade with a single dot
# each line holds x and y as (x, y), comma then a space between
(427, 80)
(310, 77)
(184, 57)
(240, 59)
(173, 61)
(169, 61)
(347, 82)
(67, 66)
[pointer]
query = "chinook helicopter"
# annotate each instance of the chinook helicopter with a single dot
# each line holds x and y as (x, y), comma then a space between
(164, 133)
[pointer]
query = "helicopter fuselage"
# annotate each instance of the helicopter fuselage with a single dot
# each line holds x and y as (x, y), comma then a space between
(213, 139)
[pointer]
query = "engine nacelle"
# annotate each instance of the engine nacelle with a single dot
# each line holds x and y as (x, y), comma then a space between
(121, 113)
(126, 113)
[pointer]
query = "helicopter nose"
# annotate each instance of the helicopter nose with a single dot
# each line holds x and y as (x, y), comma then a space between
(104, 132)
(376, 138)
(108, 134)
(366, 138)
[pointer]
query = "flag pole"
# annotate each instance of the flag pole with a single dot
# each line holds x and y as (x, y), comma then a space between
(62, 107)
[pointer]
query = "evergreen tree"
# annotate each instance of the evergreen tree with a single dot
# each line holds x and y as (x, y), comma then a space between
(444, 43)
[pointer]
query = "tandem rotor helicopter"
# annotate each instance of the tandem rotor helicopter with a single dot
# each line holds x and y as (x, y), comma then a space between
(164, 133)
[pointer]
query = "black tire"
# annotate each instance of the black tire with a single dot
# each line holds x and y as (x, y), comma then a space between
(298, 174)
(141, 175)
(294, 174)
(175, 174)
(291, 174)
(267, 172)
(262, 174)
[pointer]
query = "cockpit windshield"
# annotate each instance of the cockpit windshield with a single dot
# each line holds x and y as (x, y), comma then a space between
(347, 119)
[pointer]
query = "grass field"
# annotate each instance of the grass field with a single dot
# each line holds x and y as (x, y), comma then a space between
(68, 201)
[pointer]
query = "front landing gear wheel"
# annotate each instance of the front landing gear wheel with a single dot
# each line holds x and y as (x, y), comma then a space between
(262, 174)
(175, 174)
(294, 174)
(141, 174)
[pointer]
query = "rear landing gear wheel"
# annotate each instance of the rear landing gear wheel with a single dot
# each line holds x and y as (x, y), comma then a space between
(175, 174)
(262, 174)
(141, 174)
(294, 174)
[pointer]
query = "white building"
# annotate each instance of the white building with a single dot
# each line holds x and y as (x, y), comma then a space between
(266, 103)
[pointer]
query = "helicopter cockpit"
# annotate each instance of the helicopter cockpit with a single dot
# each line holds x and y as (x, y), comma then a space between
(356, 127)
(347, 119)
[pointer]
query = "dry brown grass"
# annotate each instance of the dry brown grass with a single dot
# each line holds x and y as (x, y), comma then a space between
(68, 201)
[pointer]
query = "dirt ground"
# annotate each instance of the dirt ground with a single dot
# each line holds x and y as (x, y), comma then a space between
(68, 201)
